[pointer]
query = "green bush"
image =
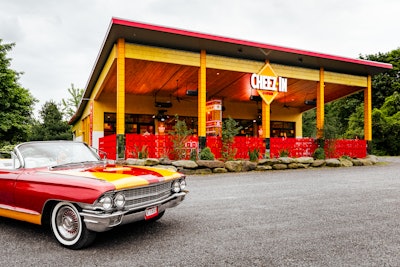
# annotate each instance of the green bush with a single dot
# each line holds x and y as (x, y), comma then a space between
(180, 135)
(193, 154)
(230, 128)
(254, 154)
(284, 153)
(319, 153)
(206, 154)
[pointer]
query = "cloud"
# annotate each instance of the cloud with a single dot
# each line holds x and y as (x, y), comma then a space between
(57, 42)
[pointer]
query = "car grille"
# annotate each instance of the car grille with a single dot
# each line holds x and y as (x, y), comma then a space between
(146, 195)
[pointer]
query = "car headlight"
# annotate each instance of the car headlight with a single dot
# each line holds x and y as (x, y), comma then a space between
(182, 184)
(176, 186)
(106, 202)
(119, 200)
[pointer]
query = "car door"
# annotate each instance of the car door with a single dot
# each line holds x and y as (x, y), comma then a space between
(9, 172)
(8, 179)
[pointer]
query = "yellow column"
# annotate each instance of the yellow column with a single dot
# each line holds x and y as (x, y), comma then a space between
(368, 110)
(320, 105)
(202, 100)
(120, 99)
(266, 120)
(121, 86)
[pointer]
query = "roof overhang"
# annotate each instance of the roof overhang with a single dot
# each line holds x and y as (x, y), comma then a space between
(159, 36)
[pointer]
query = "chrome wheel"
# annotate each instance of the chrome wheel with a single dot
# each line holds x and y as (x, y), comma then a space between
(68, 228)
(68, 223)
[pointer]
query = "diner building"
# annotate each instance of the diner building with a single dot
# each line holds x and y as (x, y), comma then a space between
(145, 75)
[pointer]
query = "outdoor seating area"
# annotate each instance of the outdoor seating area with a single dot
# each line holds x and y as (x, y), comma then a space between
(161, 146)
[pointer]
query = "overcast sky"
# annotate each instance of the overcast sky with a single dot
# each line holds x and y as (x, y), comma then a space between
(57, 41)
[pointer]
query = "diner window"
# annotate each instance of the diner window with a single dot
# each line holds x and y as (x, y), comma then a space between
(134, 123)
(191, 123)
(283, 129)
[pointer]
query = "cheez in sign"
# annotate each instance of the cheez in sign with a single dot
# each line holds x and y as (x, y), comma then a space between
(271, 83)
(268, 84)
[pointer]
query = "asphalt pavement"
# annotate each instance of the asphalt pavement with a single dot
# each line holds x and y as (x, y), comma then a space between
(309, 217)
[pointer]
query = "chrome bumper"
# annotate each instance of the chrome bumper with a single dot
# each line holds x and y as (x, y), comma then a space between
(101, 222)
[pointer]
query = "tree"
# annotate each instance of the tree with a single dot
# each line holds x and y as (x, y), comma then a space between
(230, 129)
(385, 84)
(343, 117)
(52, 126)
(180, 136)
(386, 127)
(71, 104)
(16, 102)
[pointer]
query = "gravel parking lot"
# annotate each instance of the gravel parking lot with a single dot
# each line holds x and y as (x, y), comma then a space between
(310, 217)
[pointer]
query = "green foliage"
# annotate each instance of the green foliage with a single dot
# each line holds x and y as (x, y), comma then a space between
(206, 154)
(309, 123)
(283, 153)
(52, 126)
(7, 149)
(345, 157)
(356, 124)
(386, 127)
(16, 103)
(193, 154)
(71, 104)
(230, 129)
(319, 153)
(385, 84)
(254, 154)
(180, 136)
(140, 152)
(344, 118)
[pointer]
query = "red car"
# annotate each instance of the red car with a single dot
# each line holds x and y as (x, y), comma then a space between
(66, 185)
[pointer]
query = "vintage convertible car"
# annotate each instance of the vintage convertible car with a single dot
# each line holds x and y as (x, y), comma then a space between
(66, 185)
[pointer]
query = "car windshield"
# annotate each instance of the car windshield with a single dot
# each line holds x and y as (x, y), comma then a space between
(47, 154)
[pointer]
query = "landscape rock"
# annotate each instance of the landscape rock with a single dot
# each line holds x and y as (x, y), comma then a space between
(357, 162)
(263, 168)
(217, 166)
(305, 160)
(203, 171)
(293, 165)
(187, 171)
(374, 159)
(187, 164)
(345, 162)
(211, 163)
(151, 162)
(249, 166)
(268, 162)
(165, 161)
(286, 160)
(234, 166)
(279, 166)
(333, 163)
(137, 162)
(220, 170)
(366, 162)
(318, 163)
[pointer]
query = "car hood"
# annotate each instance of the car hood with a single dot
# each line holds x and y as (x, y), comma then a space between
(123, 177)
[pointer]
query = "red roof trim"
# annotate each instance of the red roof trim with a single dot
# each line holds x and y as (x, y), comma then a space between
(248, 43)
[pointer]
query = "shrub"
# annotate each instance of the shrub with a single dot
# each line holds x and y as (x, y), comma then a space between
(180, 135)
(283, 153)
(254, 154)
(319, 153)
(230, 129)
(140, 152)
(206, 154)
(193, 154)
